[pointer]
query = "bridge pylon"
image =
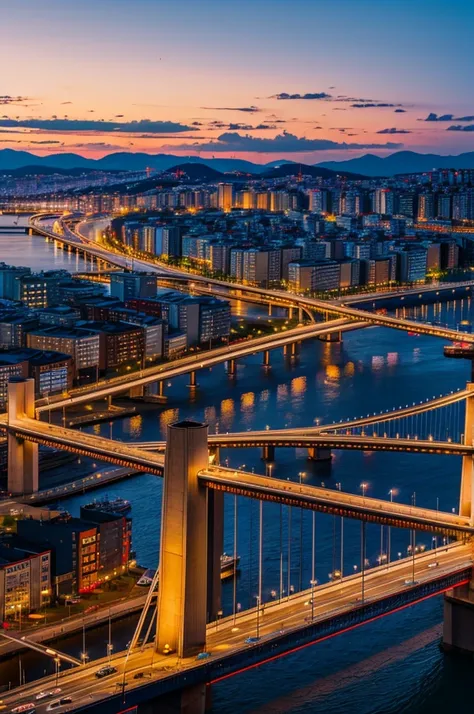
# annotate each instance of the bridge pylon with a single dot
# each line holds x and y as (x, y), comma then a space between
(191, 544)
(22, 454)
(466, 501)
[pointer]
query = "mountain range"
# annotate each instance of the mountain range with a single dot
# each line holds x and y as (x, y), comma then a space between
(368, 165)
(401, 162)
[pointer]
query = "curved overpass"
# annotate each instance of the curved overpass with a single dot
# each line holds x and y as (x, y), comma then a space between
(290, 438)
(243, 483)
(192, 363)
(298, 300)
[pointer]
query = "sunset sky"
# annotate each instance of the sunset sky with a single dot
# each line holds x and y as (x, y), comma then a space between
(258, 79)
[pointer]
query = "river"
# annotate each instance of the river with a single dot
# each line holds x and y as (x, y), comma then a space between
(391, 665)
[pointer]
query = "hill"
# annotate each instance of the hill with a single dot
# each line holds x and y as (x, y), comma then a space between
(293, 169)
(198, 172)
(35, 170)
(401, 162)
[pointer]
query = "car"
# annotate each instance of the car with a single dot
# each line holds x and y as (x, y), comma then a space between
(105, 671)
(73, 600)
(48, 695)
(58, 703)
(433, 565)
(29, 707)
(252, 640)
(203, 655)
(141, 675)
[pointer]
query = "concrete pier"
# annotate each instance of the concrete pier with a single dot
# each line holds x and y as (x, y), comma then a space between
(191, 544)
(331, 337)
(268, 453)
(458, 623)
(22, 454)
(315, 453)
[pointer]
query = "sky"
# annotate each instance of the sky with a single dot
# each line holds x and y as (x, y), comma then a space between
(306, 80)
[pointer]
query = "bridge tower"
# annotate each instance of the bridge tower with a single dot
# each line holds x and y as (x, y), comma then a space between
(466, 501)
(22, 454)
(191, 544)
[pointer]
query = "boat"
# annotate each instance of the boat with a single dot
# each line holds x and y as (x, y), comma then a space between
(229, 566)
(116, 505)
(227, 570)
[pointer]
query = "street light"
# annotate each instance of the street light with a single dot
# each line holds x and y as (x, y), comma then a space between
(313, 583)
(364, 487)
(258, 616)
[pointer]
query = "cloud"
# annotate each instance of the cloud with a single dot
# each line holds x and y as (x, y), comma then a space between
(447, 117)
(308, 95)
(459, 127)
(7, 99)
(249, 110)
(394, 131)
(63, 103)
(283, 143)
(373, 105)
(45, 142)
(400, 111)
(78, 125)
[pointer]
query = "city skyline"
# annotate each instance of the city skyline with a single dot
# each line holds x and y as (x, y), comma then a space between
(259, 81)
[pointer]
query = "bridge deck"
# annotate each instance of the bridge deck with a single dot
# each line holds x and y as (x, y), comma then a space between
(335, 502)
(241, 482)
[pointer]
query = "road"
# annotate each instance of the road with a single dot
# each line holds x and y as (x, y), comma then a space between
(281, 438)
(230, 635)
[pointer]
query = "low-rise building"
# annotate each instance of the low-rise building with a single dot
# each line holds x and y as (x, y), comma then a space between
(25, 578)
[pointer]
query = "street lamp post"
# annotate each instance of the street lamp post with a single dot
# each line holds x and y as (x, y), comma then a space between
(313, 583)
(258, 617)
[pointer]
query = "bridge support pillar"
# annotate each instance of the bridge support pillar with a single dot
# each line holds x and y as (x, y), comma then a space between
(315, 453)
(185, 547)
(215, 451)
(458, 623)
(294, 349)
(331, 337)
(466, 501)
(290, 312)
(300, 314)
(231, 368)
(269, 309)
(215, 548)
(268, 453)
(22, 455)
(192, 700)
(192, 381)
(266, 358)
(137, 392)
(161, 396)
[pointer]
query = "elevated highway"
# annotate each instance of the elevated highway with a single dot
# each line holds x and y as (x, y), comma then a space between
(299, 301)
(306, 439)
(233, 644)
(194, 362)
(240, 482)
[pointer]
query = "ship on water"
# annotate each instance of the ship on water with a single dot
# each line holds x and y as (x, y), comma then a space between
(116, 505)
(229, 566)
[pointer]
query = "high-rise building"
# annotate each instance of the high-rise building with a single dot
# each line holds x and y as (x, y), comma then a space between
(171, 241)
(411, 267)
(314, 275)
(261, 266)
(426, 206)
(225, 196)
(219, 257)
(444, 206)
(129, 285)
(318, 200)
